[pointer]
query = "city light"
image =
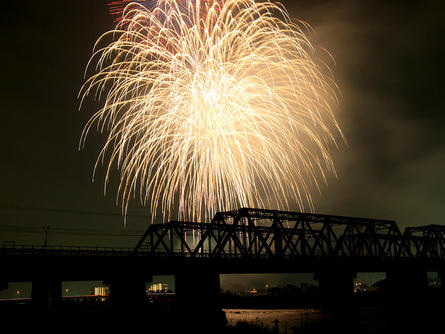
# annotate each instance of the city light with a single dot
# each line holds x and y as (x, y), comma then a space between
(158, 288)
(101, 291)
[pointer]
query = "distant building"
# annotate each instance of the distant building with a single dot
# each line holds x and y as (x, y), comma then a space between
(364, 287)
(101, 291)
(158, 288)
(434, 282)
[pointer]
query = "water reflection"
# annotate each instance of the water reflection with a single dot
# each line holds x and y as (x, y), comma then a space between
(288, 319)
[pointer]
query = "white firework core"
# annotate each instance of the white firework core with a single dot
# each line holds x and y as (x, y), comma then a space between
(210, 106)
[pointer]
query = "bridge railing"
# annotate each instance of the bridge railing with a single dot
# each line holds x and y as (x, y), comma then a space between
(29, 250)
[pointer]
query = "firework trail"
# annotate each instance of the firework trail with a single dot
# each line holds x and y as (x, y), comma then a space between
(212, 105)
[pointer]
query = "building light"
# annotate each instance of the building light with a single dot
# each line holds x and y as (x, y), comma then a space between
(158, 287)
(101, 291)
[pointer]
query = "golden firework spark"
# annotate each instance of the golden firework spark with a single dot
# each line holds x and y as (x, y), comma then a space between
(213, 105)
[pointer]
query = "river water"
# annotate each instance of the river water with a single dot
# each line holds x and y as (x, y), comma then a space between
(288, 319)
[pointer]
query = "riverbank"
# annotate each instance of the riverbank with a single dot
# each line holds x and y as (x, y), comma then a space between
(95, 315)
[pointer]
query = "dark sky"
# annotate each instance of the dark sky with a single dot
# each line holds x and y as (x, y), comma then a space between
(389, 66)
(389, 58)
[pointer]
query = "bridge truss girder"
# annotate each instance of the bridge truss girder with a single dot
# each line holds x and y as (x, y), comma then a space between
(426, 241)
(258, 233)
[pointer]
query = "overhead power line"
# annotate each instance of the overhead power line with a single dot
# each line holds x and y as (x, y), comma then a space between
(71, 211)
(66, 231)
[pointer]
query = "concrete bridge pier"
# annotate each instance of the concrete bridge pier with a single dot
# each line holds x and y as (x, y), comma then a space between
(198, 298)
(336, 289)
(46, 294)
(407, 301)
(4, 285)
(406, 285)
(128, 293)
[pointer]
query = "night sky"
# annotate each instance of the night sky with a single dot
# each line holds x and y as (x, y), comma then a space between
(388, 64)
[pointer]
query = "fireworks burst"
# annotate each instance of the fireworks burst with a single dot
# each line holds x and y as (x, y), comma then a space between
(212, 105)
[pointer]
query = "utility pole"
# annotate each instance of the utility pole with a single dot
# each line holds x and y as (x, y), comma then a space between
(46, 231)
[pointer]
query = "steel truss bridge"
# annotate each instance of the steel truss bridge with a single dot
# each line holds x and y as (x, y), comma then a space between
(268, 234)
(257, 236)
(247, 240)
